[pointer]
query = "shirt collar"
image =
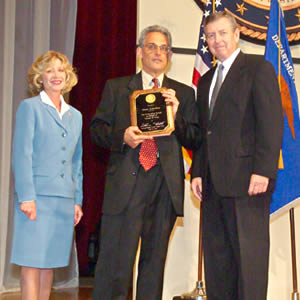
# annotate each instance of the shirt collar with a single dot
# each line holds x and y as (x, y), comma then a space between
(229, 61)
(46, 99)
(147, 80)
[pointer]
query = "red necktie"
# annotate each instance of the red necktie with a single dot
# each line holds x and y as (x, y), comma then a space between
(148, 151)
(155, 80)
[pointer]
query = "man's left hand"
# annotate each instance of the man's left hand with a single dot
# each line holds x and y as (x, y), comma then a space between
(170, 98)
(258, 184)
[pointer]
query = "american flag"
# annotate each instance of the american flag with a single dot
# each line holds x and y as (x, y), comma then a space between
(203, 61)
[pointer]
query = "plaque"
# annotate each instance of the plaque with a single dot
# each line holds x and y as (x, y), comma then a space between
(150, 113)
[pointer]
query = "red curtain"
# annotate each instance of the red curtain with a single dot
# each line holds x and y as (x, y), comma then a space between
(104, 48)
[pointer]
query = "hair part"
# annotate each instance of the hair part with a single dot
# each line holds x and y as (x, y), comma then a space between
(40, 65)
(219, 15)
(155, 28)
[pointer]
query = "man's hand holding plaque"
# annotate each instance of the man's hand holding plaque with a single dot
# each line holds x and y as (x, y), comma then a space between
(153, 111)
(133, 136)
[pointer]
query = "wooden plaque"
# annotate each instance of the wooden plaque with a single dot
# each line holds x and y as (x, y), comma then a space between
(150, 113)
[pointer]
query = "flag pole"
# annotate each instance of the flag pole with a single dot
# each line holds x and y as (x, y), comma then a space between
(279, 48)
(289, 97)
(214, 10)
(280, 162)
(200, 247)
(295, 294)
(199, 292)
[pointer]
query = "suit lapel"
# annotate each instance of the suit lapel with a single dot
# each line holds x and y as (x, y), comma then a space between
(67, 120)
(53, 113)
(205, 86)
(203, 95)
(135, 83)
(232, 78)
(166, 82)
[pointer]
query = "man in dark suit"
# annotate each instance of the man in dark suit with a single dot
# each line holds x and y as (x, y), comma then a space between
(141, 200)
(235, 168)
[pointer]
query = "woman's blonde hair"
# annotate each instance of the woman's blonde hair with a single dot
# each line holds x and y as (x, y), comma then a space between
(40, 65)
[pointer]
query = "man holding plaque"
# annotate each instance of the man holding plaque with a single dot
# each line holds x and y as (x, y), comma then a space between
(144, 189)
(235, 169)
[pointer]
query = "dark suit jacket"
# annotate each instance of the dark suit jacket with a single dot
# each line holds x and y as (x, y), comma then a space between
(107, 130)
(244, 134)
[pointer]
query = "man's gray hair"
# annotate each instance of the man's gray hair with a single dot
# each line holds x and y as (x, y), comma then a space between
(219, 15)
(155, 28)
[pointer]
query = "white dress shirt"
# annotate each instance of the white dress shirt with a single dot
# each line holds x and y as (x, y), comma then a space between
(147, 80)
(64, 106)
(227, 64)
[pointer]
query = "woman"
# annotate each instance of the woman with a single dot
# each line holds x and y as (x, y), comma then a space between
(46, 161)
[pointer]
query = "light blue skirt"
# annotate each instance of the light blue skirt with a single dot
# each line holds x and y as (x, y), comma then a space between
(47, 241)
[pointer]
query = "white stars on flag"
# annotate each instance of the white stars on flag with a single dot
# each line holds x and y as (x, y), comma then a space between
(204, 59)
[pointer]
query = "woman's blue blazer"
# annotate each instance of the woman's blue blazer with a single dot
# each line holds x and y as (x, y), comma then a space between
(47, 152)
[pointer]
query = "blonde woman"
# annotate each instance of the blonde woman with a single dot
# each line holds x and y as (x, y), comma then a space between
(47, 167)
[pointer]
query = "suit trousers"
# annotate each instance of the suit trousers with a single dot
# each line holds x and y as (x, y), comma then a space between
(150, 216)
(236, 245)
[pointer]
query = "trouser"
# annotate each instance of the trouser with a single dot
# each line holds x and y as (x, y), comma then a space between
(149, 215)
(236, 246)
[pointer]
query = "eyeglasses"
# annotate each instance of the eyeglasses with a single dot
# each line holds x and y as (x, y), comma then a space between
(153, 47)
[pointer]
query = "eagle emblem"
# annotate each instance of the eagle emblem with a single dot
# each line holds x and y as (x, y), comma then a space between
(253, 15)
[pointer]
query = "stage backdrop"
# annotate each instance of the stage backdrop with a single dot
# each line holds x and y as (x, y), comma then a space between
(104, 48)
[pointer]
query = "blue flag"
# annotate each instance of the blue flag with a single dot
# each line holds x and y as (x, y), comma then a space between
(288, 182)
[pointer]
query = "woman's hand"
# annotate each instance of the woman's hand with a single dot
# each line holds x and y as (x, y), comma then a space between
(29, 209)
(78, 214)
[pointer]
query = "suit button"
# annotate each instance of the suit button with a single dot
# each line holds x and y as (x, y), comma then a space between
(63, 148)
(62, 175)
(209, 132)
(63, 162)
(133, 173)
(63, 134)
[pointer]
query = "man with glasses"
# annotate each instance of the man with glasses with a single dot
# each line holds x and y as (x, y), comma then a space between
(141, 199)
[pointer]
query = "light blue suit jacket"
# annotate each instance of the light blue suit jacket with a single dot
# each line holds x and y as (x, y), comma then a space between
(47, 152)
